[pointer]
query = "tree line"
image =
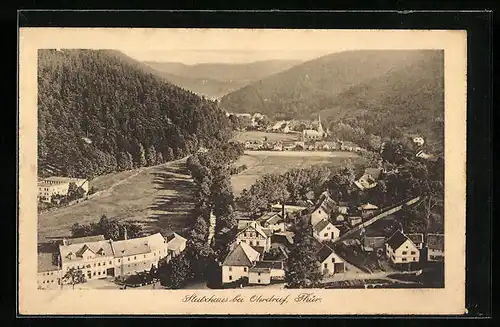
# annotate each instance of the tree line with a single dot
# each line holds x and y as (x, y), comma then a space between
(99, 112)
(211, 174)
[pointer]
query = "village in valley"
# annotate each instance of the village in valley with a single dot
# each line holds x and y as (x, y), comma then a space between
(144, 183)
(354, 244)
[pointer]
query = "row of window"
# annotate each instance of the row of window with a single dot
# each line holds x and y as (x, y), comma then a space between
(244, 269)
(51, 281)
(49, 273)
(403, 259)
(257, 243)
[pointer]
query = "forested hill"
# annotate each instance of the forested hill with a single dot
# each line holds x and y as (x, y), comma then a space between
(374, 85)
(217, 79)
(100, 111)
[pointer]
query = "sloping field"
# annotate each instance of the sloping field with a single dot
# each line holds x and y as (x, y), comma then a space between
(158, 197)
(271, 137)
(277, 162)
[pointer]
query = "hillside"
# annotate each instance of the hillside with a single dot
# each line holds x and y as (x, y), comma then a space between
(376, 88)
(100, 111)
(217, 79)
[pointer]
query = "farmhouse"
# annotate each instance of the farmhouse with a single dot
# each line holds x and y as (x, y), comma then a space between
(254, 235)
(237, 263)
(435, 247)
(325, 231)
(48, 273)
(417, 239)
(323, 209)
(51, 186)
(400, 249)
(367, 209)
(273, 221)
(369, 178)
(264, 272)
(175, 244)
(330, 262)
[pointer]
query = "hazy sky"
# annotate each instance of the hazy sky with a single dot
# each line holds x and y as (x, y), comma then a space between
(223, 56)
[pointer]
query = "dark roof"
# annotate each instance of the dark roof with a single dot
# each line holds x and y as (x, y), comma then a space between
(396, 240)
(326, 203)
(435, 241)
(46, 262)
(374, 172)
(282, 238)
(416, 238)
(321, 225)
(269, 264)
(239, 256)
(374, 241)
(259, 249)
(84, 239)
(324, 253)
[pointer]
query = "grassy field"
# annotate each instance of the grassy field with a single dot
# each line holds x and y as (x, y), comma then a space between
(157, 197)
(268, 162)
(271, 137)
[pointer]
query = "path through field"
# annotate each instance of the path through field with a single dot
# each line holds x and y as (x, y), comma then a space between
(158, 197)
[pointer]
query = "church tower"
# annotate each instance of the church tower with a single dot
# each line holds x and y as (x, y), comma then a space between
(320, 128)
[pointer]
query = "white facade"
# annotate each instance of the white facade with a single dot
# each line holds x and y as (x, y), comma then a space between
(49, 279)
(233, 273)
(259, 277)
(328, 233)
(332, 265)
(253, 235)
(48, 187)
(405, 253)
(318, 215)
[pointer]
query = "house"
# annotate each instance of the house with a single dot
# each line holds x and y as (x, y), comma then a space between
(348, 146)
(325, 231)
(354, 220)
(373, 243)
(423, 155)
(339, 218)
(400, 249)
(139, 254)
(242, 223)
(369, 178)
(367, 209)
(273, 221)
(237, 263)
(435, 247)
(84, 239)
(300, 145)
(278, 146)
(288, 146)
(254, 235)
(49, 274)
(279, 126)
(282, 240)
(323, 209)
(264, 272)
(417, 239)
(418, 140)
(51, 186)
(330, 262)
(175, 244)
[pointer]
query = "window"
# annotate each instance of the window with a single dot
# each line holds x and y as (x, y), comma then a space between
(230, 268)
(414, 259)
(245, 234)
(258, 243)
(326, 235)
(230, 277)
(393, 257)
(319, 211)
(52, 273)
(99, 264)
(145, 256)
(99, 273)
(328, 228)
(412, 252)
(258, 280)
(118, 261)
(251, 242)
(111, 263)
(135, 258)
(258, 274)
(94, 265)
(405, 252)
(94, 273)
(128, 259)
(326, 265)
(245, 269)
(403, 259)
(333, 259)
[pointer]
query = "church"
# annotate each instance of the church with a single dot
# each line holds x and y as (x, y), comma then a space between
(314, 135)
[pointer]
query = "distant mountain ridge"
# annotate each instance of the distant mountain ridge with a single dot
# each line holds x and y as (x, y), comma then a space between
(376, 88)
(217, 79)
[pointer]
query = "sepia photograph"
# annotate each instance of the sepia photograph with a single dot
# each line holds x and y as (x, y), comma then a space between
(290, 166)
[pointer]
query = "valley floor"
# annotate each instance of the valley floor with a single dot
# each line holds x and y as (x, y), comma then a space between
(153, 196)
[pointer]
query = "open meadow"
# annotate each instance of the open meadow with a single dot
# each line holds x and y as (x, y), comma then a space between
(160, 198)
(260, 136)
(277, 162)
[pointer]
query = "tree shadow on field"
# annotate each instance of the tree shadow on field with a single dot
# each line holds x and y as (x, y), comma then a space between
(174, 205)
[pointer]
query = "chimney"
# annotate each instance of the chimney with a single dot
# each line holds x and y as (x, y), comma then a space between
(283, 209)
(125, 236)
